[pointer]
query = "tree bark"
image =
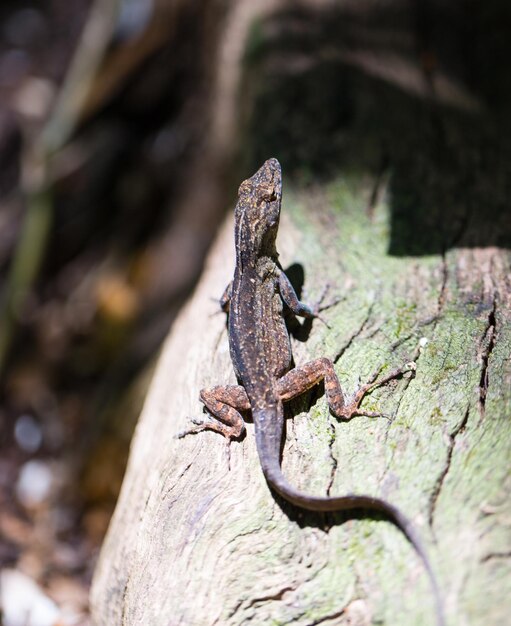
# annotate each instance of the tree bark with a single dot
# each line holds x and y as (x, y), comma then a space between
(410, 225)
(198, 538)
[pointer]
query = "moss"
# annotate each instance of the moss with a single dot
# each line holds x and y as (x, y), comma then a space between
(437, 416)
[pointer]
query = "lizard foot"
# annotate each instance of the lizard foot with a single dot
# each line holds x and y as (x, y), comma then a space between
(320, 304)
(233, 431)
(200, 426)
(352, 407)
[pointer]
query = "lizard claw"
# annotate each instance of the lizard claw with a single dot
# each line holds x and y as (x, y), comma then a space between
(352, 406)
(318, 307)
(197, 421)
(200, 425)
(322, 319)
(374, 414)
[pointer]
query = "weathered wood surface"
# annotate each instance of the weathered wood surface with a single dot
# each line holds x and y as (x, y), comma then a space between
(197, 537)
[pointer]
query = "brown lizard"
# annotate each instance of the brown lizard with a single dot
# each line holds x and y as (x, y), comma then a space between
(261, 355)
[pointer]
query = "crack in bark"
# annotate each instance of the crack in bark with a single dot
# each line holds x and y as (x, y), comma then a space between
(238, 536)
(495, 555)
(356, 334)
(278, 595)
(234, 610)
(329, 617)
(441, 479)
(443, 286)
(175, 482)
(333, 458)
(486, 349)
(228, 453)
(123, 601)
(183, 472)
(333, 430)
(408, 380)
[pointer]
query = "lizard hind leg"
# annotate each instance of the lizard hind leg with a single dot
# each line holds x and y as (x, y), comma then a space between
(224, 404)
(302, 378)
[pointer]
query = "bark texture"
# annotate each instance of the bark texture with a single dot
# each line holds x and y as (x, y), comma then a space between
(198, 539)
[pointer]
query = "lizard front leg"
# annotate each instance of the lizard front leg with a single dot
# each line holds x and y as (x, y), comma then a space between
(224, 403)
(303, 378)
(300, 308)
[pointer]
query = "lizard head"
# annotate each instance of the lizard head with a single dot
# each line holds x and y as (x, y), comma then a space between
(258, 210)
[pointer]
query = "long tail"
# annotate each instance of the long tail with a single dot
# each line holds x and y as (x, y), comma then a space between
(276, 479)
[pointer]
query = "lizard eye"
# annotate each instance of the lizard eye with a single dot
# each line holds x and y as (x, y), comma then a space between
(267, 193)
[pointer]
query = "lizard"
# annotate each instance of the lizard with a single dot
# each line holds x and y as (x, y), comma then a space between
(261, 354)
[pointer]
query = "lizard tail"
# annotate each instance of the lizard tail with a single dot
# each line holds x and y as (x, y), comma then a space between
(276, 479)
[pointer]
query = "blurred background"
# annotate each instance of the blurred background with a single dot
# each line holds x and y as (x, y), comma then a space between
(126, 127)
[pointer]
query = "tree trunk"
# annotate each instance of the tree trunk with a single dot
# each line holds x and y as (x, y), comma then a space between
(198, 538)
(410, 225)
